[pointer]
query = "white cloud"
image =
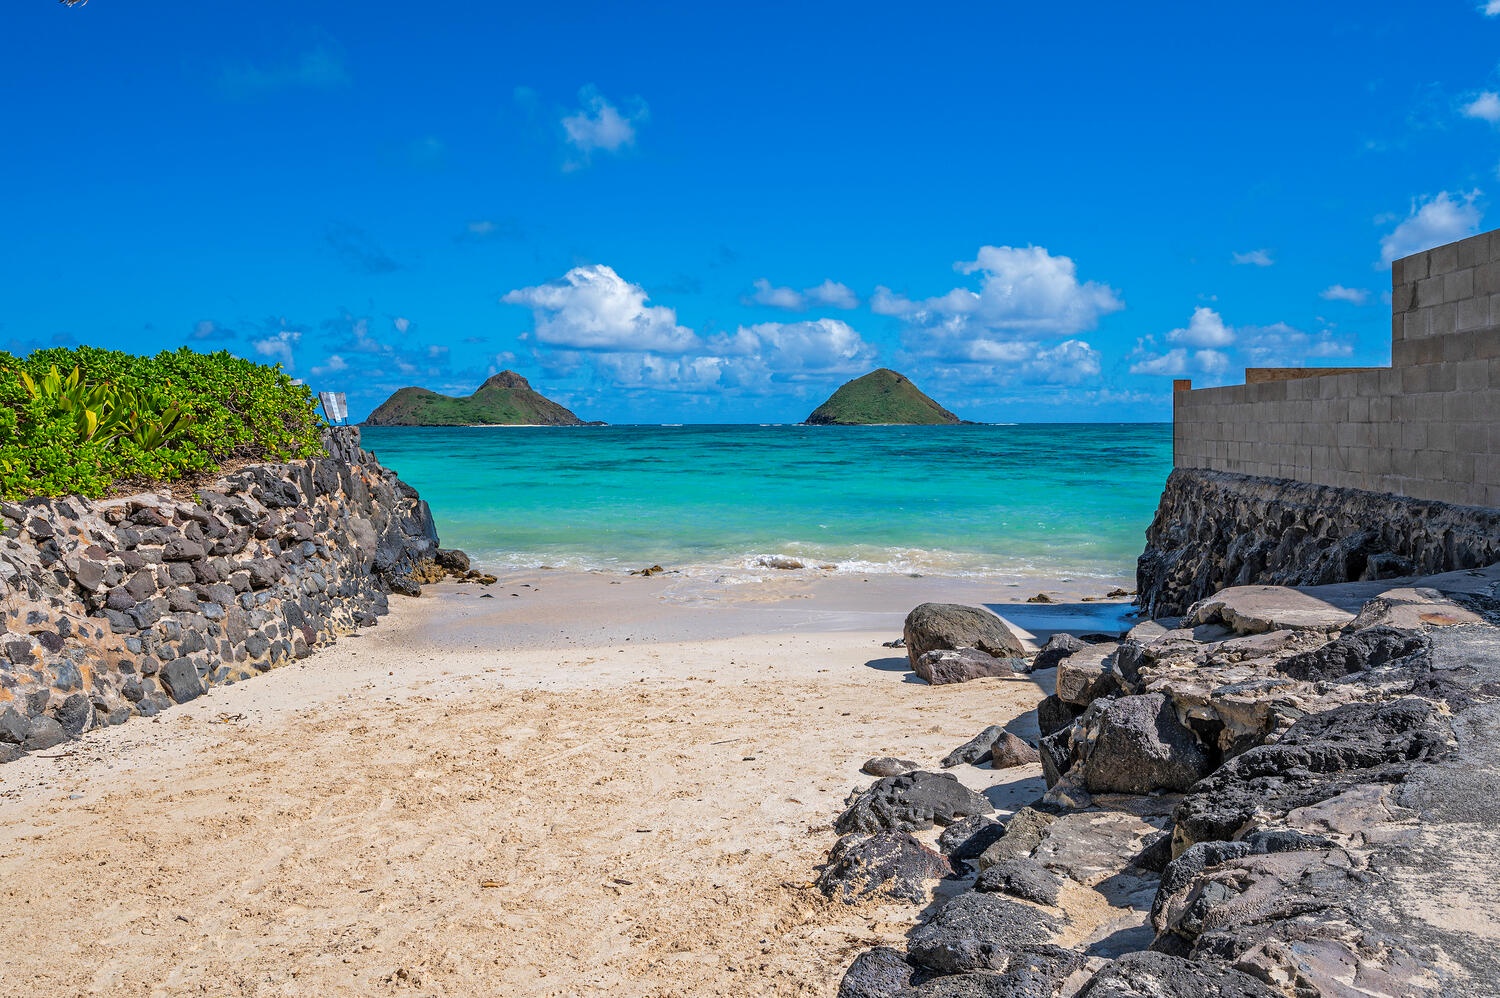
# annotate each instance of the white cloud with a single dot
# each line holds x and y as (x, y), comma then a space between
(689, 375)
(594, 308)
(777, 297)
(278, 347)
(1254, 258)
(1438, 220)
(1069, 362)
(830, 293)
(600, 126)
(1485, 107)
(333, 365)
(1172, 364)
(1205, 329)
(833, 294)
(1207, 344)
(1337, 292)
(1022, 293)
(1281, 345)
(1180, 361)
(1491, 9)
(822, 346)
(402, 324)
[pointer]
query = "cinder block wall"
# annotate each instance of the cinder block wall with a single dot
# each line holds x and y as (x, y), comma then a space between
(1426, 427)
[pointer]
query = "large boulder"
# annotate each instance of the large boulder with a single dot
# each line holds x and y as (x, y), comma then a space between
(1022, 878)
(876, 973)
(1087, 674)
(1057, 648)
(889, 863)
(978, 931)
(1010, 751)
(945, 665)
(1035, 972)
(969, 838)
(1157, 975)
(1137, 745)
(910, 803)
(976, 749)
(951, 626)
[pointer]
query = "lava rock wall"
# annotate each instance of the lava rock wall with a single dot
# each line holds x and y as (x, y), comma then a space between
(1215, 529)
(117, 608)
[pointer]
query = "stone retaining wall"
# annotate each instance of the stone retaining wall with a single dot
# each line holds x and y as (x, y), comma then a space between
(117, 608)
(1215, 529)
(1424, 427)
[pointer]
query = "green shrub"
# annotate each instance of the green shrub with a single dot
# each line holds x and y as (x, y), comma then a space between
(142, 419)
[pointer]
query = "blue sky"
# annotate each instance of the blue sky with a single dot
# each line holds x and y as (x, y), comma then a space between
(705, 213)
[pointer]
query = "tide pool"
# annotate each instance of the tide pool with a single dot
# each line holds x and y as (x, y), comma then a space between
(1029, 500)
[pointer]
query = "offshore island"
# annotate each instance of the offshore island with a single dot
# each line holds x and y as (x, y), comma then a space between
(505, 399)
(1274, 782)
(880, 398)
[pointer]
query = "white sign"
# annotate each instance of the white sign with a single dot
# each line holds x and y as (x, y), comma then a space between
(334, 407)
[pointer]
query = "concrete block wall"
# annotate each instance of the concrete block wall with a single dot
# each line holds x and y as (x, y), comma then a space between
(1427, 427)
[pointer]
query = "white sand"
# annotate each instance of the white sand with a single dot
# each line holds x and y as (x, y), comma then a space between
(597, 786)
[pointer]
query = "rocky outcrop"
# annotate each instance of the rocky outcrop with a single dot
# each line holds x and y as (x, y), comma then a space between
(1215, 529)
(118, 608)
(1300, 785)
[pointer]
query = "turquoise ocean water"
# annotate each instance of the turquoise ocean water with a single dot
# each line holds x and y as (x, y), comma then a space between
(1030, 500)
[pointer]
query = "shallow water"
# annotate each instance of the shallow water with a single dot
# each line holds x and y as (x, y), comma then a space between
(1030, 500)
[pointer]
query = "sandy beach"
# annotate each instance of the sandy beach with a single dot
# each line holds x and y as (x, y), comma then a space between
(564, 784)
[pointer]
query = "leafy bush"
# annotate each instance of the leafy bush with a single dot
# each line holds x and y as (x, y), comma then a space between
(142, 419)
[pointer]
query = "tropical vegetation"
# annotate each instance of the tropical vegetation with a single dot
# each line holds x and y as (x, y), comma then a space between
(86, 421)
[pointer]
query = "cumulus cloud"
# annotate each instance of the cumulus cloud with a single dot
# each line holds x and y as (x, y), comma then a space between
(1433, 222)
(599, 126)
(319, 68)
(1205, 329)
(1022, 293)
(593, 322)
(333, 365)
(833, 294)
(1180, 361)
(1208, 345)
(821, 346)
(1281, 345)
(767, 294)
(830, 293)
(994, 333)
(1337, 292)
(1197, 347)
(594, 308)
(278, 347)
(1491, 9)
(1254, 258)
(1485, 107)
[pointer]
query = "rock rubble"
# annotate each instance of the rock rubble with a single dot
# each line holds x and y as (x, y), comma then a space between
(1280, 792)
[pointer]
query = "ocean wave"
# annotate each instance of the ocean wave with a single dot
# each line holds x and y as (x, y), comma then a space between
(804, 559)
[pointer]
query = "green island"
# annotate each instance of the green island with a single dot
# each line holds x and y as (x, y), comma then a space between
(86, 421)
(882, 397)
(506, 399)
